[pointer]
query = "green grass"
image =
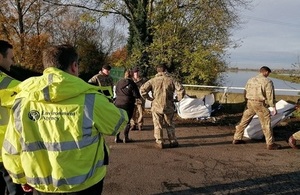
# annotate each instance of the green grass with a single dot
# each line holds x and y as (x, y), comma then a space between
(290, 78)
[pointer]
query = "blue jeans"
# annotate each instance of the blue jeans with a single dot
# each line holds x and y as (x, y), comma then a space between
(6, 183)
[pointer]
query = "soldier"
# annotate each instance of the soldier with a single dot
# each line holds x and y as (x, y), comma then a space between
(137, 117)
(162, 87)
(259, 93)
(104, 80)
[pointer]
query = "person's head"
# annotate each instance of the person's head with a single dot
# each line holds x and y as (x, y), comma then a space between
(161, 68)
(265, 71)
(136, 72)
(127, 74)
(6, 55)
(63, 57)
(106, 69)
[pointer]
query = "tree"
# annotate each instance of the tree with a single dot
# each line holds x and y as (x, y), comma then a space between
(118, 57)
(191, 36)
(32, 25)
(91, 58)
(26, 24)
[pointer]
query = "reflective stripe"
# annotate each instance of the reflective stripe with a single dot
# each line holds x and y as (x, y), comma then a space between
(46, 89)
(64, 181)
(4, 113)
(61, 146)
(16, 108)
(68, 145)
(88, 116)
(10, 148)
(17, 176)
(120, 122)
(18, 123)
(5, 82)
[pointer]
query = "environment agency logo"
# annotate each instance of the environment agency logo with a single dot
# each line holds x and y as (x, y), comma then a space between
(34, 115)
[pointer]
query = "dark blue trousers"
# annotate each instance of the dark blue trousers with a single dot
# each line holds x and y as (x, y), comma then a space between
(6, 184)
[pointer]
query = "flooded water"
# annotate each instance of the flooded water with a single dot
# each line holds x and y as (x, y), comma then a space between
(238, 79)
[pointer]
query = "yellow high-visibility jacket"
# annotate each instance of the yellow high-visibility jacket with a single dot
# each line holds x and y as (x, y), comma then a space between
(5, 82)
(55, 140)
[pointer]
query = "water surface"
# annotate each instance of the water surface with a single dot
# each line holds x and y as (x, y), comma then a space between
(239, 79)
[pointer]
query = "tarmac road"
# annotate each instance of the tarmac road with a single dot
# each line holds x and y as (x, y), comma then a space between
(205, 163)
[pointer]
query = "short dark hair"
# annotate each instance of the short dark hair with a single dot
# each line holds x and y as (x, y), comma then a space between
(4, 46)
(107, 67)
(161, 67)
(136, 69)
(265, 69)
(59, 56)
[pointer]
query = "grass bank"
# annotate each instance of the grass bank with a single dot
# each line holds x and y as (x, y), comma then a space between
(286, 77)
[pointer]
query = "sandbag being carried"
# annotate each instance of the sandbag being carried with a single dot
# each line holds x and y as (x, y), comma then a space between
(254, 131)
(190, 107)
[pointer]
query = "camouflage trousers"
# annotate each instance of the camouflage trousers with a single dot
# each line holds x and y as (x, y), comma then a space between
(161, 121)
(297, 135)
(264, 116)
(138, 116)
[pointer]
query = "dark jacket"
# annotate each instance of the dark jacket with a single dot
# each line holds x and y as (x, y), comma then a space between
(126, 93)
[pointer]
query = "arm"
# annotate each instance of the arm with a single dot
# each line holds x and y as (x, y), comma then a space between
(11, 151)
(145, 89)
(108, 119)
(179, 89)
(93, 80)
(270, 96)
(136, 92)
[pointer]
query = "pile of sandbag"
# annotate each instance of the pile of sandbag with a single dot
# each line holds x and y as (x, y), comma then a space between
(254, 130)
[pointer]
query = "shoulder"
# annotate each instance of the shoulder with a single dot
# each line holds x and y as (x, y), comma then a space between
(265, 79)
(95, 77)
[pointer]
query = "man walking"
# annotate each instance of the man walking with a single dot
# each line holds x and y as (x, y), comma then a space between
(259, 93)
(163, 86)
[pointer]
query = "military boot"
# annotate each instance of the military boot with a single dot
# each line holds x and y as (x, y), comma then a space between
(126, 135)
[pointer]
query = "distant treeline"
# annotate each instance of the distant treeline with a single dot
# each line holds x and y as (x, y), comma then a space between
(291, 75)
(276, 71)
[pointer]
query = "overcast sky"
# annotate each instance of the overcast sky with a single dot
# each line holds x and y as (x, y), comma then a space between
(270, 35)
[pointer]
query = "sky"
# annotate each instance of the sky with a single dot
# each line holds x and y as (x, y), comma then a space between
(269, 36)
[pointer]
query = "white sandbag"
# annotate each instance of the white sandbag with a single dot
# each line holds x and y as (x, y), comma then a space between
(148, 102)
(254, 131)
(190, 107)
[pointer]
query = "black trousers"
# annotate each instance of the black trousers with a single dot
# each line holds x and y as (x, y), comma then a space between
(6, 184)
(94, 190)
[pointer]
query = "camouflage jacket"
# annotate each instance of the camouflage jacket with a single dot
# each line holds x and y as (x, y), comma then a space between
(101, 80)
(139, 83)
(260, 88)
(162, 86)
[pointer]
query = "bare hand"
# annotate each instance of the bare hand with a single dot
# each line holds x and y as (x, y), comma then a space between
(27, 188)
(274, 112)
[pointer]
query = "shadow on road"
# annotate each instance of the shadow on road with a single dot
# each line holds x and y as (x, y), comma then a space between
(274, 184)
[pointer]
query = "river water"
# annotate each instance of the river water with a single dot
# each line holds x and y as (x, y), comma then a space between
(238, 79)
